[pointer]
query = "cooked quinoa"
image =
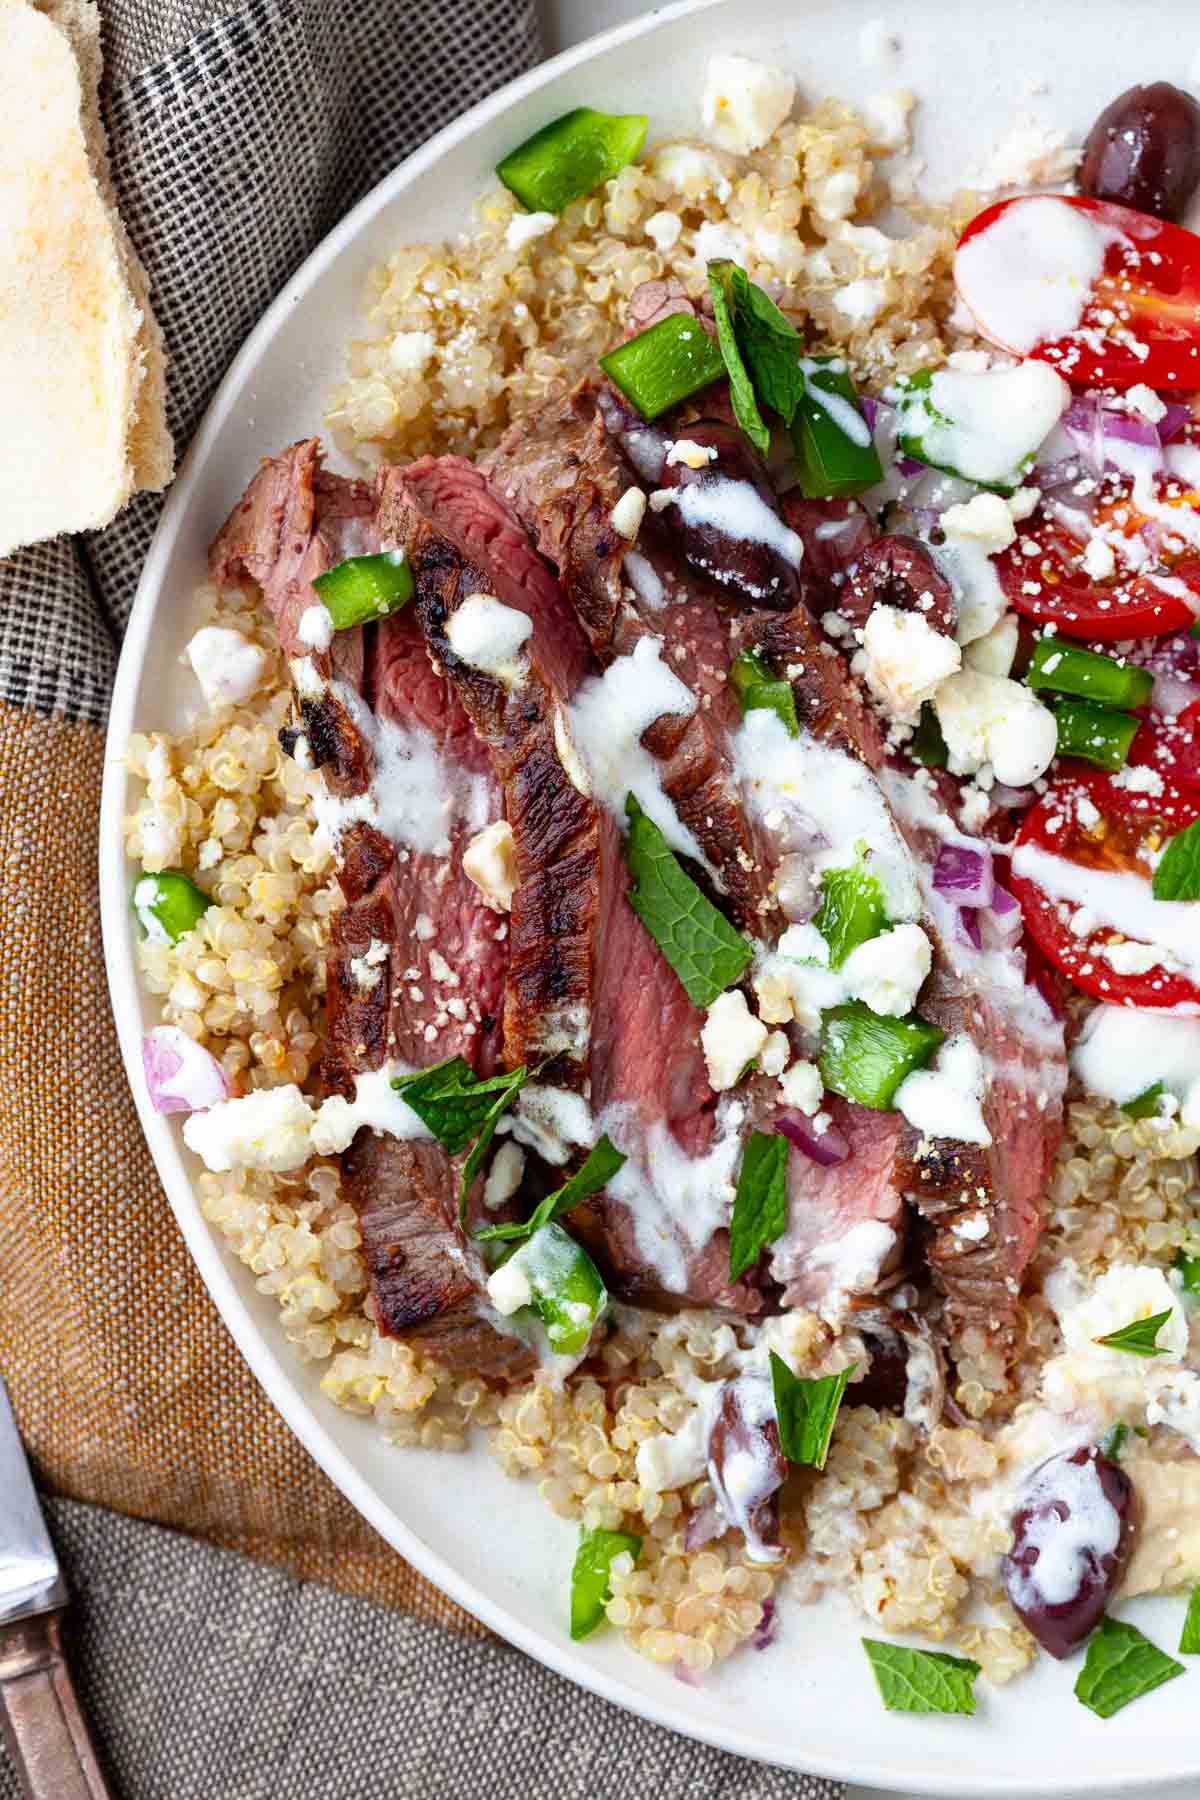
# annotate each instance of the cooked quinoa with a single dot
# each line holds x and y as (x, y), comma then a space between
(462, 338)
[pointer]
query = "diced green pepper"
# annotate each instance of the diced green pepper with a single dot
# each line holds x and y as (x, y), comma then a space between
(1096, 734)
(865, 1057)
(365, 587)
(168, 905)
(572, 155)
(852, 911)
(1113, 1442)
(756, 687)
(927, 746)
(662, 366)
(835, 452)
(1067, 669)
(1145, 1106)
(1188, 1269)
(567, 1293)
(590, 1590)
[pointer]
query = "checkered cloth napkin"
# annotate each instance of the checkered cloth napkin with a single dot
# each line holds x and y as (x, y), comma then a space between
(238, 138)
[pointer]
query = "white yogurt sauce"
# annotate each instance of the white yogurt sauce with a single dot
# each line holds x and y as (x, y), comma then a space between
(491, 636)
(1065, 1547)
(1123, 1050)
(844, 414)
(734, 508)
(676, 1201)
(1121, 901)
(1028, 277)
(607, 718)
(946, 1099)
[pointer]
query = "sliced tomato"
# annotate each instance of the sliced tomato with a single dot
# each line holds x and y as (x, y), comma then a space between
(1051, 585)
(1096, 822)
(1172, 747)
(1141, 319)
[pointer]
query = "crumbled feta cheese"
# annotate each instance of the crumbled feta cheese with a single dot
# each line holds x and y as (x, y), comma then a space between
(886, 118)
(991, 719)
(411, 351)
(509, 1287)
(267, 1129)
(985, 519)
(1144, 400)
(524, 227)
(376, 1105)
(691, 171)
(628, 513)
(946, 1099)
(715, 241)
(490, 636)
(490, 861)
(1138, 779)
(504, 1175)
(861, 302)
(691, 454)
(995, 652)
(773, 1059)
(677, 1458)
(731, 1037)
(316, 627)
(663, 229)
(801, 1087)
(834, 196)
(1031, 155)
(887, 971)
(366, 968)
(744, 102)
(227, 665)
(1091, 1374)
(904, 660)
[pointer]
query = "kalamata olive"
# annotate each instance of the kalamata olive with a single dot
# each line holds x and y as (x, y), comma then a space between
(746, 1465)
(726, 521)
(886, 1381)
(906, 1373)
(1144, 151)
(834, 534)
(1072, 1534)
(898, 570)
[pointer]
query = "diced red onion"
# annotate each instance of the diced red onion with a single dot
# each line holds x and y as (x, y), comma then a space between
(1091, 426)
(1003, 922)
(181, 1075)
(909, 466)
(963, 873)
(967, 927)
(825, 1149)
(1003, 902)
(763, 1635)
(689, 1677)
(1173, 421)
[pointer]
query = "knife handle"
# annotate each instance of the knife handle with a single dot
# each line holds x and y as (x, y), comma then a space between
(43, 1725)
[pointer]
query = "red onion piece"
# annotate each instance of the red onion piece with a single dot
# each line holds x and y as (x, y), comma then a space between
(967, 927)
(963, 873)
(763, 1635)
(181, 1075)
(1173, 421)
(1092, 426)
(1003, 902)
(828, 1148)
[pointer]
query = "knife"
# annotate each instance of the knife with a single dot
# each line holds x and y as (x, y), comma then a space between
(43, 1726)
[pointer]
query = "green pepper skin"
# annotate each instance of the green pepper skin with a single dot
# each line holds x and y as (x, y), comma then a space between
(590, 1576)
(852, 911)
(757, 688)
(568, 1294)
(1095, 734)
(829, 464)
(167, 905)
(571, 157)
(865, 1057)
(664, 365)
(365, 587)
(1064, 668)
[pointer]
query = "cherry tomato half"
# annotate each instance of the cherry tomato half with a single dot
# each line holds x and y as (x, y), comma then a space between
(1098, 822)
(1051, 585)
(1141, 320)
(1172, 747)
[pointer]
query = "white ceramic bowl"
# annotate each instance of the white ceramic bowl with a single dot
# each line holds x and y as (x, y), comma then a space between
(809, 1703)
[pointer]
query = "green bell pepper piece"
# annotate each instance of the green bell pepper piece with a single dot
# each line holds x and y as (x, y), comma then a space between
(571, 156)
(1066, 669)
(756, 687)
(365, 587)
(1095, 734)
(168, 905)
(835, 452)
(662, 366)
(852, 911)
(865, 1057)
(590, 1591)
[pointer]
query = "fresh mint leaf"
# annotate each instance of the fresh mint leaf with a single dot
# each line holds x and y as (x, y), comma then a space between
(1139, 1336)
(806, 1410)
(604, 1159)
(1189, 1272)
(760, 1204)
(1177, 876)
(590, 1589)
(1121, 1666)
(1113, 1441)
(458, 1107)
(700, 944)
(925, 1681)
(741, 388)
(1189, 1641)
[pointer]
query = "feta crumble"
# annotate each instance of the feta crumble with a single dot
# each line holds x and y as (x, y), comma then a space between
(731, 1037)
(490, 861)
(227, 665)
(744, 102)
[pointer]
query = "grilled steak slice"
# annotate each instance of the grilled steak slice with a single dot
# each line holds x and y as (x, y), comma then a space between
(588, 987)
(983, 1203)
(562, 471)
(416, 962)
(846, 1222)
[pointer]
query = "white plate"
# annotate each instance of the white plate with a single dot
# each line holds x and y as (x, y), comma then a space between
(488, 1542)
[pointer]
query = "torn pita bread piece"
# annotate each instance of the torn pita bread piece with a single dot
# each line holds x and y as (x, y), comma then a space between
(82, 369)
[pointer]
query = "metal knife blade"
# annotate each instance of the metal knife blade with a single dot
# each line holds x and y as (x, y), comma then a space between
(30, 1581)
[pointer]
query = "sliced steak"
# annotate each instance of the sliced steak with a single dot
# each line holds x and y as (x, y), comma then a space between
(845, 1221)
(562, 471)
(982, 1203)
(416, 962)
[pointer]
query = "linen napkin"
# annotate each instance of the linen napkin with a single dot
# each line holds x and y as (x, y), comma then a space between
(238, 138)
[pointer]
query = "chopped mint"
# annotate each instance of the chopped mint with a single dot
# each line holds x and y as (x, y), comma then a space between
(604, 1159)
(1121, 1666)
(1177, 876)
(700, 944)
(760, 1204)
(1113, 1442)
(1139, 1337)
(806, 1410)
(1189, 1642)
(1145, 1105)
(922, 1681)
(458, 1107)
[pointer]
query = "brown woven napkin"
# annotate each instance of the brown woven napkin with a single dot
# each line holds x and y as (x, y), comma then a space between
(238, 138)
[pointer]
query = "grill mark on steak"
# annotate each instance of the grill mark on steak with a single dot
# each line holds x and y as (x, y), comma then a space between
(294, 522)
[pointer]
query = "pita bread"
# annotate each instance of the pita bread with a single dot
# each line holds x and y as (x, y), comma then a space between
(82, 368)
